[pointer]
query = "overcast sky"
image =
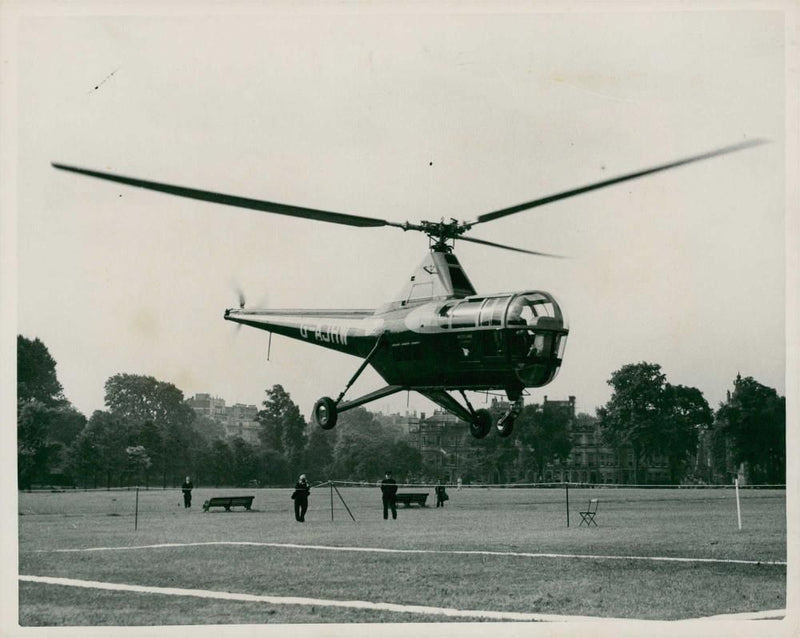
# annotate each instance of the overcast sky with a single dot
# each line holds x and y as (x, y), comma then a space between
(404, 116)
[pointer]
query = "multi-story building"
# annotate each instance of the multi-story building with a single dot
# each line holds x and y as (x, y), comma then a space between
(207, 406)
(442, 440)
(592, 460)
(439, 439)
(237, 420)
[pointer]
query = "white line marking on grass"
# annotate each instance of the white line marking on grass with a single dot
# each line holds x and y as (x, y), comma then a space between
(361, 604)
(295, 600)
(465, 552)
(772, 614)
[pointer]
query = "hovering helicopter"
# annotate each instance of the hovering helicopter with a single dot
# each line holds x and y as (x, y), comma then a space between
(437, 336)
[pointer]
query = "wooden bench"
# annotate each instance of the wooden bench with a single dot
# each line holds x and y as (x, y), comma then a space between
(407, 498)
(228, 502)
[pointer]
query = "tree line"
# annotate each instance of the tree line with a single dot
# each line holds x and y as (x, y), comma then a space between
(149, 436)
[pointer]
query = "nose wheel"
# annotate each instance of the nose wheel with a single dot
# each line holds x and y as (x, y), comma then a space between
(505, 424)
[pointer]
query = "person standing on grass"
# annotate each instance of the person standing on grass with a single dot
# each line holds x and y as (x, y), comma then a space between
(300, 496)
(186, 488)
(389, 493)
(441, 493)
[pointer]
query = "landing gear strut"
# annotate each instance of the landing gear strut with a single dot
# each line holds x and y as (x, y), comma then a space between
(505, 424)
(326, 410)
(480, 421)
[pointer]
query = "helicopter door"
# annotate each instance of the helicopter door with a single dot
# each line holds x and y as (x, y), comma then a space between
(492, 344)
(469, 346)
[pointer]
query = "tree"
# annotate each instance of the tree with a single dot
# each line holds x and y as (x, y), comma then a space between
(283, 428)
(99, 450)
(83, 459)
(139, 399)
(150, 437)
(685, 411)
(543, 436)
(654, 417)
(221, 463)
(66, 424)
(34, 448)
(363, 449)
(631, 416)
(753, 419)
(138, 462)
(46, 422)
(491, 459)
(319, 453)
(208, 428)
(246, 465)
(405, 459)
(274, 469)
(36, 374)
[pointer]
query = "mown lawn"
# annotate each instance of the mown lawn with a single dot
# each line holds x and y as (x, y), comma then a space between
(632, 523)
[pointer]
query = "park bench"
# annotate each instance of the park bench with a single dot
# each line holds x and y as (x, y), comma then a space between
(228, 502)
(407, 498)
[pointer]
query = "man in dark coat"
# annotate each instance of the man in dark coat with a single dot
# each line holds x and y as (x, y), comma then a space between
(186, 488)
(388, 492)
(300, 496)
(441, 493)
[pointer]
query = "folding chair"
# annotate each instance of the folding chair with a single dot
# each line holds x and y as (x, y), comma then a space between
(588, 516)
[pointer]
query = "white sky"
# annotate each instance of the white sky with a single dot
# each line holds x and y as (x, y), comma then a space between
(345, 110)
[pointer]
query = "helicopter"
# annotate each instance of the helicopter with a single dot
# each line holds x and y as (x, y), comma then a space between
(438, 336)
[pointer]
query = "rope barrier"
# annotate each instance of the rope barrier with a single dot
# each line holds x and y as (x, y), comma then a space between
(561, 484)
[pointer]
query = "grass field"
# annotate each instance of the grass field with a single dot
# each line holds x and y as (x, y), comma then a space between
(655, 555)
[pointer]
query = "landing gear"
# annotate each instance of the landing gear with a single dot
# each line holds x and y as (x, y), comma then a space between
(481, 424)
(505, 425)
(326, 413)
(326, 410)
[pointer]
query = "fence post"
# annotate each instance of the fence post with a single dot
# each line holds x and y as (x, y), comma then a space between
(136, 515)
(738, 507)
(566, 485)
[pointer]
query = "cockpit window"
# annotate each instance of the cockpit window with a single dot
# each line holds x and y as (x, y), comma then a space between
(524, 310)
(465, 313)
(492, 311)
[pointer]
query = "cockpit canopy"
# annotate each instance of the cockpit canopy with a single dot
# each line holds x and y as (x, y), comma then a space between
(530, 327)
(529, 309)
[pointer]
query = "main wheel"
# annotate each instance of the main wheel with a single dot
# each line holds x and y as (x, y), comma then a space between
(325, 413)
(505, 425)
(481, 424)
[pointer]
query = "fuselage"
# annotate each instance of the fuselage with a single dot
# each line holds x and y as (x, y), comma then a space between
(480, 342)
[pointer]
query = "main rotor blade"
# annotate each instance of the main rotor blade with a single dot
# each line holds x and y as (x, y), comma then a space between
(233, 200)
(504, 247)
(614, 180)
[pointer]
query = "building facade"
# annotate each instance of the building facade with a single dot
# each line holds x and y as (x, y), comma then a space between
(444, 440)
(440, 439)
(237, 420)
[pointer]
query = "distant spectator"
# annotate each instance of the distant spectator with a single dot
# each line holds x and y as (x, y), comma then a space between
(388, 494)
(300, 496)
(186, 488)
(441, 493)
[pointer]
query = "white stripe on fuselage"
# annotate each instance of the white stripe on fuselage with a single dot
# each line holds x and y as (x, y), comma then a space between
(332, 330)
